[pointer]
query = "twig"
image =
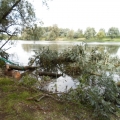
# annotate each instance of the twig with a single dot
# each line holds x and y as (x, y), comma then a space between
(7, 40)
(45, 95)
(95, 74)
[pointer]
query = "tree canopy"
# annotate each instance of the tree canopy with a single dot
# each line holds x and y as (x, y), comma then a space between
(101, 34)
(89, 33)
(113, 32)
(15, 14)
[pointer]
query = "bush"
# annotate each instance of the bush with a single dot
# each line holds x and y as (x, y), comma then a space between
(28, 81)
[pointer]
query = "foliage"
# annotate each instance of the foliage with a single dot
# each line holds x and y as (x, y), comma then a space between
(89, 33)
(46, 59)
(78, 34)
(95, 69)
(28, 81)
(113, 32)
(96, 87)
(17, 16)
(101, 34)
(16, 104)
(3, 55)
(14, 14)
(34, 33)
(70, 34)
(102, 96)
(54, 33)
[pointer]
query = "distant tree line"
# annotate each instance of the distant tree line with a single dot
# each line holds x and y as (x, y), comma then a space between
(54, 33)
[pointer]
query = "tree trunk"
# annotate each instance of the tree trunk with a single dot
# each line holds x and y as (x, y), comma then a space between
(22, 68)
(50, 74)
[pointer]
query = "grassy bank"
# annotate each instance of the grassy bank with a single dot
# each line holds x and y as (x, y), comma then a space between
(104, 40)
(90, 40)
(16, 104)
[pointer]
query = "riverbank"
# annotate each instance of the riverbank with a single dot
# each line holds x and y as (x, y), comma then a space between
(24, 96)
(88, 40)
(16, 103)
(103, 40)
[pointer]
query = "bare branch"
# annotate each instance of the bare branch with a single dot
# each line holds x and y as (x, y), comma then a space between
(8, 39)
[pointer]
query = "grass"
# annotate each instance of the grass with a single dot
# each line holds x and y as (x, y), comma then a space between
(104, 40)
(14, 105)
(91, 40)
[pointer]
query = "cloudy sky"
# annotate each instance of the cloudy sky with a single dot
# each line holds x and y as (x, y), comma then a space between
(79, 14)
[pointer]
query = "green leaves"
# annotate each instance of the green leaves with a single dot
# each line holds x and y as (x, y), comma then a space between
(15, 14)
(95, 70)
(89, 33)
(113, 32)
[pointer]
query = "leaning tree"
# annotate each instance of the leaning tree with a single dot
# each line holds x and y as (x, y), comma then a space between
(15, 15)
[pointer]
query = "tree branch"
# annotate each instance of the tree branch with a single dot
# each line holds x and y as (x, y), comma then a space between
(9, 11)
(7, 40)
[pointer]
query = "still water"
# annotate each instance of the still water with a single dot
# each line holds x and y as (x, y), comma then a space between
(23, 50)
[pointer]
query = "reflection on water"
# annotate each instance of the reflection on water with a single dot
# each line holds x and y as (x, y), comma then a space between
(25, 49)
(52, 45)
(111, 48)
(62, 84)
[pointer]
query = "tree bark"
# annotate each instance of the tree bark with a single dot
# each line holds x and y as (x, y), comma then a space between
(49, 74)
(30, 68)
(22, 68)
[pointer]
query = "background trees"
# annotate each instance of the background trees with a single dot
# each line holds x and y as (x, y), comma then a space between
(78, 34)
(17, 16)
(33, 33)
(54, 32)
(89, 33)
(101, 34)
(113, 32)
(51, 32)
(70, 34)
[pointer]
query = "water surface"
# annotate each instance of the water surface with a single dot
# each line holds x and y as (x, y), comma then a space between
(23, 50)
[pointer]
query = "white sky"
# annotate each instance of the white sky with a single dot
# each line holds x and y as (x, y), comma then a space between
(80, 14)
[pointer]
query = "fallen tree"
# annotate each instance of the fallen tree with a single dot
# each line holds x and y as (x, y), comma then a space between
(50, 74)
(94, 69)
(22, 68)
(11, 71)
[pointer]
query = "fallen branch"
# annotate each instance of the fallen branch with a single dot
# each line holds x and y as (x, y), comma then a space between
(43, 96)
(23, 68)
(117, 65)
(49, 74)
(47, 95)
(95, 74)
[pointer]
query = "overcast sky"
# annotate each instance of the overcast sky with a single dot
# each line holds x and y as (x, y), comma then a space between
(80, 14)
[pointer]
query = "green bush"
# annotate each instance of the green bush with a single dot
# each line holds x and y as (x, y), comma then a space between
(28, 81)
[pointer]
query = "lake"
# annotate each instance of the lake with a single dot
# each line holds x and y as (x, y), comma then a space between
(21, 51)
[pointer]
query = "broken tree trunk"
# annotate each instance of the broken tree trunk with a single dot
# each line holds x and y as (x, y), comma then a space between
(49, 74)
(31, 68)
(22, 68)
